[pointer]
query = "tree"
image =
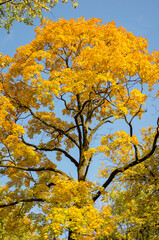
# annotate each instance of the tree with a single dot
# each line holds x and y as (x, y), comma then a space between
(59, 94)
(135, 208)
(25, 11)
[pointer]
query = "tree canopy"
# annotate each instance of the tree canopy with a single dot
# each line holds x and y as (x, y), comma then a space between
(25, 10)
(69, 101)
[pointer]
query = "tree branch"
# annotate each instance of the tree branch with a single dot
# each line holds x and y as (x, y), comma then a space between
(87, 168)
(51, 150)
(131, 131)
(131, 164)
(41, 120)
(5, 2)
(103, 121)
(40, 169)
(52, 126)
(22, 201)
(80, 109)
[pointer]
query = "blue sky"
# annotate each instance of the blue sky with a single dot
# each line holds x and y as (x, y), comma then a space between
(141, 17)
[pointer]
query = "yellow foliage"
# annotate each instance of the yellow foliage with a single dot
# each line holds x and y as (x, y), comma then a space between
(59, 96)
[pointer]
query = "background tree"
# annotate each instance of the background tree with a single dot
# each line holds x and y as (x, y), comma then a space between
(25, 11)
(74, 79)
(135, 208)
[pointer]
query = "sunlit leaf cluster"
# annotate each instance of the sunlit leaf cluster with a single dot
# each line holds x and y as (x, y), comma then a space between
(26, 11)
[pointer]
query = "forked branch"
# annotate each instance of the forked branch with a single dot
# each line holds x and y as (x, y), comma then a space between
(127, 166)
(51, 150)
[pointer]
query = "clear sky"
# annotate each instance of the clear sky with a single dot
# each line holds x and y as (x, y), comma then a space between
(141, 17)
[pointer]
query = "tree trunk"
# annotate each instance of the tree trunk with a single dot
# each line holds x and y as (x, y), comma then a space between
(82, 166)
(69, 235)
(81, 172)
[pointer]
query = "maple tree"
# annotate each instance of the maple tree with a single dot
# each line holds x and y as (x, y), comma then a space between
(59, 96)
(25, 10)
